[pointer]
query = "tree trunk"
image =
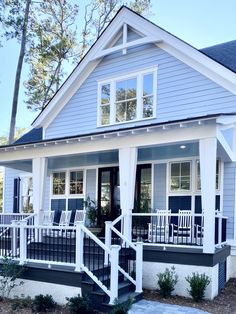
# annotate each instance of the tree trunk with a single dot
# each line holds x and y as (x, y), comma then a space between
(18, 73)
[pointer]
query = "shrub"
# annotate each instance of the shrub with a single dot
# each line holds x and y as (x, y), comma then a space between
(167, 281)
(198, 284)
(43, 303)
(20, 303)
(9, 273)
(80, 305)
(122, 308)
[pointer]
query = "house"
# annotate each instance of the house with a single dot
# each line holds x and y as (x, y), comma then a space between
(144, 125)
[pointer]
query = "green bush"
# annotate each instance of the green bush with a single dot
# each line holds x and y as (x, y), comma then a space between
(21, 303)
(9, 274)
(79, 305)
(167, 281)
(198, 284)
(43, 303)
(122, 308)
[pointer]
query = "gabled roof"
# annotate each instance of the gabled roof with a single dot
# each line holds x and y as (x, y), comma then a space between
(150, 33)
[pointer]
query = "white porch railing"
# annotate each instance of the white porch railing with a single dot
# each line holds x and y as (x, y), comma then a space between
(170, 229)
(64, 246)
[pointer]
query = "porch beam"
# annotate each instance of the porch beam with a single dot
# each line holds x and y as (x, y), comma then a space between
(127, 170)
(39, 171)
(139, 140)
(207, 150)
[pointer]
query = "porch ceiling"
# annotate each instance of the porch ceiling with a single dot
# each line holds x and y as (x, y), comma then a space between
(82, 160)
(22, 165)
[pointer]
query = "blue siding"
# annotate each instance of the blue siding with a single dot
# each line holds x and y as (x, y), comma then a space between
(229, 197)
(159, 187)
(182, 92)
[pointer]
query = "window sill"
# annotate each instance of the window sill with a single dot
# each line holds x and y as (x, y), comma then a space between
(125, 122)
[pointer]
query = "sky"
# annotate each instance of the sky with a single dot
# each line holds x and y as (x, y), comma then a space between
(201, 23)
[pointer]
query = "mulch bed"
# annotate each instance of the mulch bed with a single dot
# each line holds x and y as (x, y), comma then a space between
(224, 303)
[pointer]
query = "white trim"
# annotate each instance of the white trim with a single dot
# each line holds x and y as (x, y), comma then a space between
(77, 145)
(112, 80)
(197, 60)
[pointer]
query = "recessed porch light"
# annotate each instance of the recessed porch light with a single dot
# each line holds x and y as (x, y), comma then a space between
(182, 146)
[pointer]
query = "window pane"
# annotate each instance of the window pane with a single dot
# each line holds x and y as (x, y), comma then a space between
(131, 110)
(59, 180)
(105, 97)
(148, 84)
(120, 112)
(185, 169)
(174, 184)
(131, 88)
(126, 89)
(120, 90)
(105, 114)
(175, 169)
(185, 183)
(147, 107)
(76, 182)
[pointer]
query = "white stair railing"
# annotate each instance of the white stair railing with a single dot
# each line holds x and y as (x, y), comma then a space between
(126, 243)
(113, 254)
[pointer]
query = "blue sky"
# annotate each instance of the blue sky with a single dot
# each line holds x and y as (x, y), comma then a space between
(201, 23)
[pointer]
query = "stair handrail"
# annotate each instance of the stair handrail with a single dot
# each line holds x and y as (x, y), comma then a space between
(137, 247)
(113, 253)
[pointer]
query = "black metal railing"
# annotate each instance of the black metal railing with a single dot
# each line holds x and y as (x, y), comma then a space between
(93, 259)
(51, 244)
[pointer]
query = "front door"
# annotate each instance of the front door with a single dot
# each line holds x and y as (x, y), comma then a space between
(108, 194)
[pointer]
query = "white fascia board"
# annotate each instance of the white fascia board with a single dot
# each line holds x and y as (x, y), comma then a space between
(184, 52)
(161, 137)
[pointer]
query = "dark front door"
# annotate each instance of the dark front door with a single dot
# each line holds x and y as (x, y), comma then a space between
(108, 194)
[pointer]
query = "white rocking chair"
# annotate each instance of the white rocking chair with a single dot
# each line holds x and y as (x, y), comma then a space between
(158, 229)
(183, 232)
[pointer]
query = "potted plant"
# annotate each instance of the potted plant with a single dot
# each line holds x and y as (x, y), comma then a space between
(92, 213)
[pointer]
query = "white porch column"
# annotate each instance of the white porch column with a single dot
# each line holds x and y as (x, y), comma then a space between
(39, 170)
(127, 167)
(207, 149)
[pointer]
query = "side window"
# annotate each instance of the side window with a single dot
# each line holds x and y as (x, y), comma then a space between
(198, 177)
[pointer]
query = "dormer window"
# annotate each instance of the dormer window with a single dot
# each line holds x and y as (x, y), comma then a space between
(128, 98)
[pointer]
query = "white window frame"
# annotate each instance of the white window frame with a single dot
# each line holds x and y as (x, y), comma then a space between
(67, 184)
(180, 191)
(139, 110)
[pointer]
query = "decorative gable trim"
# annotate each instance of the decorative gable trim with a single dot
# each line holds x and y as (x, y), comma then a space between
(151, 34)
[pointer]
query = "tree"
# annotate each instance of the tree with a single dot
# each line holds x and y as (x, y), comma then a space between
(15, 20)
(55, 44)
(99, 13)
(47, 35)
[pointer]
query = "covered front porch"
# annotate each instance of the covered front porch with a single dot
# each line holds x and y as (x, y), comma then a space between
(159, 186)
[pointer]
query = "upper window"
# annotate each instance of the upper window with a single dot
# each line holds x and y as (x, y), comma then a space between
(180, 176)
(128, 99)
